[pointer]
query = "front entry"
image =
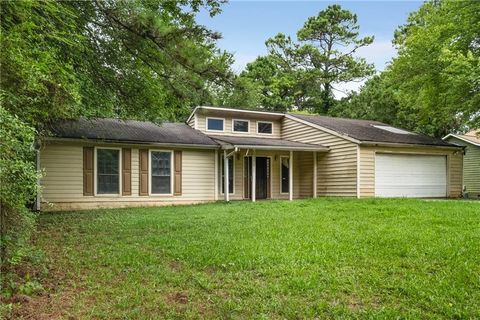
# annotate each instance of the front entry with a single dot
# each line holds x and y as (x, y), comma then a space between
(263, 176)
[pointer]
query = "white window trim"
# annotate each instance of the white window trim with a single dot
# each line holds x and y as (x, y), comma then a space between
(150, 173)
(95, 178)
(222, 177)
(212, 130)
(288, 157)
(262, 133)
(240, 132)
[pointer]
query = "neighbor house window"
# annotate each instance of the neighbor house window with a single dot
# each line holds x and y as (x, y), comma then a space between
(108, 171)
(240, 125)
(231, 177)
(215, 124)
(161, 172)
(264, 127)
(285, 174)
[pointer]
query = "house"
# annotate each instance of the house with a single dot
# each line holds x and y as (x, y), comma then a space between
(234, 154)
(471, 160)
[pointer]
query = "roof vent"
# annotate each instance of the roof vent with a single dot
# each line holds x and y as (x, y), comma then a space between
(392, 129)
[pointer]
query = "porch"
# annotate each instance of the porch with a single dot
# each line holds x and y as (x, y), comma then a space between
(256, 168)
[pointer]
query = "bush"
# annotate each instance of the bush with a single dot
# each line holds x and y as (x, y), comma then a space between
(18, 187)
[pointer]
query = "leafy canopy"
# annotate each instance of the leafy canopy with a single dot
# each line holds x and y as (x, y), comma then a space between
(136, 59)
(302, 75)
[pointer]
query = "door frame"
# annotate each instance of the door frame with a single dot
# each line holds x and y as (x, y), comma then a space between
(271, 177)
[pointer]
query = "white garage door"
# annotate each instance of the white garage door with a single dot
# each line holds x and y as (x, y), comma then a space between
(400, 175)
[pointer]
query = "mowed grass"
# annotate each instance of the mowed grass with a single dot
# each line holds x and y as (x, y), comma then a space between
(318, 258)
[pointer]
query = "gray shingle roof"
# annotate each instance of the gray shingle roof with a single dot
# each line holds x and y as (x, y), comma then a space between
(265, 142)
(130, 131)
(365, 131)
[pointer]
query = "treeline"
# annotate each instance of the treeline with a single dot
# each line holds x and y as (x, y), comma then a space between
(432, 86)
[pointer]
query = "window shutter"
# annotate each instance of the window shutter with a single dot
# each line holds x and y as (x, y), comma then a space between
(143, 188)
(127, 172)
(88, 171)
(177, 183)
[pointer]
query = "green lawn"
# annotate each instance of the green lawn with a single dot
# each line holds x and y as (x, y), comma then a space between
(324, 258)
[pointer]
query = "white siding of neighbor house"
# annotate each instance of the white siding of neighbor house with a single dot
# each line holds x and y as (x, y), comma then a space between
(471, 166)
(228, 130)
(367, 166)
(336, 169)
(62, 184)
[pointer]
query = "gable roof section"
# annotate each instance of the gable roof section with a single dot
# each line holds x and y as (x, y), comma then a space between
(262, 143)
(472, 137)
(366, 131)
(115, 130)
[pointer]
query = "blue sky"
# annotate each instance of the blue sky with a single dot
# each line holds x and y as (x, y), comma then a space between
(245, 25)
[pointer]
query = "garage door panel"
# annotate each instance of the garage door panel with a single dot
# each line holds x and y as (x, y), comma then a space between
(399, 175)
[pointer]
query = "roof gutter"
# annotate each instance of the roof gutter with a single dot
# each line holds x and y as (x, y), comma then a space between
(284, 148)
(399, 145)
(133, 143)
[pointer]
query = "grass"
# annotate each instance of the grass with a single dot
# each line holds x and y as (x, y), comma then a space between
(324, 258)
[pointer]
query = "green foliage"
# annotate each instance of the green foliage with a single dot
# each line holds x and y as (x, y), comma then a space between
(135, 59)
(375, 101)
(302, 75)
(433, 86)
(18, 187)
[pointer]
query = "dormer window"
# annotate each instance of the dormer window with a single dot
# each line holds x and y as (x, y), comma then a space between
(215, 124)
(240, 125)
(264, 127)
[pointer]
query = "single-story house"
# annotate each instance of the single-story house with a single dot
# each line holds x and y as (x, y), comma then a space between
(249, 154)
(471, 160)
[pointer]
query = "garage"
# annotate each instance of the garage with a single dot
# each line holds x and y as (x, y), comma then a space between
(410, 175)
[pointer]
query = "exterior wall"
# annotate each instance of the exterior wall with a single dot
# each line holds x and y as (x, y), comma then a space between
(302, 174)
(202, 126)
(63, 181)
(336, 169)
(471, 167)
(367, 167)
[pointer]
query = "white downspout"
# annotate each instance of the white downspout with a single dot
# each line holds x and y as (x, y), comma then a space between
(314, 174)
(254, 177)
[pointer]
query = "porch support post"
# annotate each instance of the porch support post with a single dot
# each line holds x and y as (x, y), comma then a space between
(225, 180)
(290, 177)
(254, 177)
(314, 174)
(217, 185)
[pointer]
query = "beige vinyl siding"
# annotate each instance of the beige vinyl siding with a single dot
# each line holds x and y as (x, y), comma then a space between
(367, 166)
(202, 126)
(471, 166)
(336, 169)
(63, 182)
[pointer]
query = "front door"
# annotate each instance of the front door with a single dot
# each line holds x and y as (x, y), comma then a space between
(262, 170)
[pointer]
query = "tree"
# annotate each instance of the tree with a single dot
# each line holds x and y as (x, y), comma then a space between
(375, 101)
(331, 39)
(135, 59)
(436, 75)
(302, 75)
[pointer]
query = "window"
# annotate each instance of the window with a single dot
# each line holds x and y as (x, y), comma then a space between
(264, 127)
(108, 171)
(240, 125)
(161, 172)
(231, 176)
(285, 174)
(215, 124)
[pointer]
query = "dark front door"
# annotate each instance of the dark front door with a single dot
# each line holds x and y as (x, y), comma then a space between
(262, 184)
